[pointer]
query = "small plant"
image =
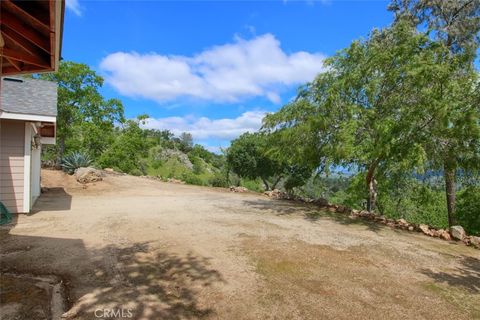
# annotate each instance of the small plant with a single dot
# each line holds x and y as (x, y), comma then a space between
(75, 160)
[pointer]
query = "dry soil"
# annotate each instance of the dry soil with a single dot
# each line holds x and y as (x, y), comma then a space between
(156, 250)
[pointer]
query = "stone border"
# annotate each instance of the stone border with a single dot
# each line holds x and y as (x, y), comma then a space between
(455, 233)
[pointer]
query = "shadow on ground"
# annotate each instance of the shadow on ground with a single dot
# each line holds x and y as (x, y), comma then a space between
(466, 276)
(54, 199)
(310, 212)
(148, 284)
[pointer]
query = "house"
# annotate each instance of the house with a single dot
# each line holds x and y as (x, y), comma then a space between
(30, 42)
(28, 110)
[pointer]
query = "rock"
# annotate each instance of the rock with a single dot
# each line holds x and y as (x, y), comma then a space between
(276, 194)
(445, 235)
(173, 180)
(411, 228)
(88, 174)
(322, 202)
(238, 189)
(475, 241)
(341, 209)
(181, 157)
(425, 229)
(109, 170)
(402, 222)
(457, 232)
(435, 233)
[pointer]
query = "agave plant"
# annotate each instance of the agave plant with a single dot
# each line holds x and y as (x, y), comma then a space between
(75, 160)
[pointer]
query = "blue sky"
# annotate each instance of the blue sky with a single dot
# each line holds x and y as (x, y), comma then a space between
(211, 67)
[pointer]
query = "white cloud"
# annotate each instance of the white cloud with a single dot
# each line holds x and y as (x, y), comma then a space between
(227, 73)
(204, 128)
(74, 6)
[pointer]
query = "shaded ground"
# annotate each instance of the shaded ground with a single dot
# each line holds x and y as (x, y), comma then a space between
(166, 251)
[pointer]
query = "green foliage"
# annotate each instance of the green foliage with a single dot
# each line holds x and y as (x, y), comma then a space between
(468, 209)
(126, 152)
(85, 120)
(185, 142)
(252, 184)
(249, 157)
(75, 160)
(218, 180)
(192, 178)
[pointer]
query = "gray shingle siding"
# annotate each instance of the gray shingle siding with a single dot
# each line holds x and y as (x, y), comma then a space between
(28, 96)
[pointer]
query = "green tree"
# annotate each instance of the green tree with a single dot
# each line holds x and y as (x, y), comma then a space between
(454, 129)
(248, 159)
(82, 110)
(358, 113)
(185, 142)
(128, 149)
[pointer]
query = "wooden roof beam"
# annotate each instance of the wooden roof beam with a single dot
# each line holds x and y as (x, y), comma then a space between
(18, 40)
(24, 57)
(16, 64)
(24, 15)
(38, 39)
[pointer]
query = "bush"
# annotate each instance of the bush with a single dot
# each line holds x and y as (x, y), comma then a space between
(252, 185)
(218, 180)
(75, 160)
(136, 172)
(191, 178)
(468, 209)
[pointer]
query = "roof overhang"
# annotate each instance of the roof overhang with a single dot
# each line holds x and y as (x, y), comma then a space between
(31, 34)
(26, 117)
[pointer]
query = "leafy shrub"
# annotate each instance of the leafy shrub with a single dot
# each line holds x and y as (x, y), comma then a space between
(252, 185)
(136, 172)
(218, 180)
(191, 178)
(468, 209)
(75, 160)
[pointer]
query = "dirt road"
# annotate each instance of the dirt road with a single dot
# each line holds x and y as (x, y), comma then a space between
(164, 251)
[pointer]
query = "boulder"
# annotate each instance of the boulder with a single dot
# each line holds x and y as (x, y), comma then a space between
(445, 235)
(402, 222)
(457, 232)
(341, 209)
(425, 229)
(109, 170)
(173, 180)
(322, 202)
(88, 174)
(238, 189)
(276, 194)
(475, 241)
(411, 228)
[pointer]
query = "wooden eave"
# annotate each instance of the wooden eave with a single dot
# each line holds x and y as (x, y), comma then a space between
(31, 34)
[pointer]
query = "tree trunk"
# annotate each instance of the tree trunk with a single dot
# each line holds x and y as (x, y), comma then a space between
(449, 174)
(265, 182)
(60, 151)
(274, 185)
(372, 186)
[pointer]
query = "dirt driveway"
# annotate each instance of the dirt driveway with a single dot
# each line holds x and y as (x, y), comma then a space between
(164, 251)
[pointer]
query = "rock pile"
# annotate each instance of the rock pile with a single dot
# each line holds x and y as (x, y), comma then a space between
(173, 180)
(455, 232)
(238, 189)
(88, 174)
(276, 194)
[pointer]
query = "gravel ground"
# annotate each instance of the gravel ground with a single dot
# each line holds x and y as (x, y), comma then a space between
(143, 249)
